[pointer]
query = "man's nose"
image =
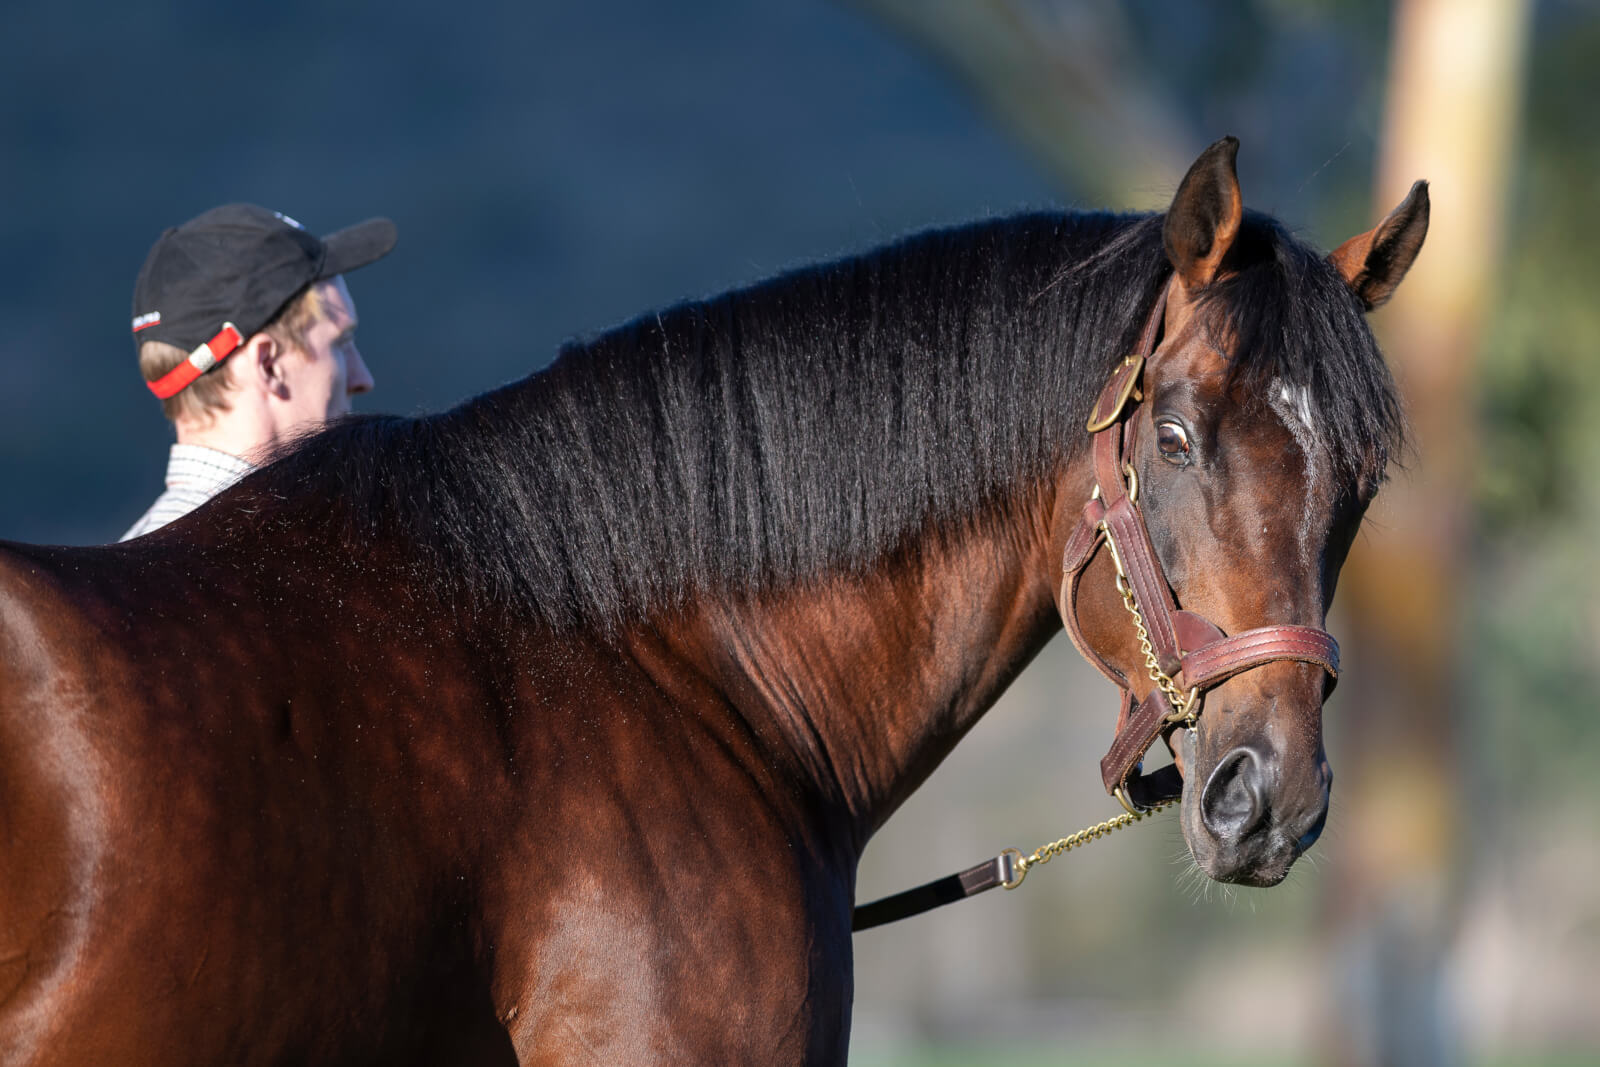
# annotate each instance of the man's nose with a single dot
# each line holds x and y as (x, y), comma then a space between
(358, 378)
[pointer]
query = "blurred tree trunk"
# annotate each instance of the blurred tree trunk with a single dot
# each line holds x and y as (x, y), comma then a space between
(1452, 106)
(1061, 77)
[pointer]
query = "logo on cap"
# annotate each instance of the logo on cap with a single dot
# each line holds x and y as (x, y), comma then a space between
(292, 222)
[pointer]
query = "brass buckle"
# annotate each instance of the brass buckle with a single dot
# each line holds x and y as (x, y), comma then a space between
(1129, 391)
(1013, 870)
(1121, 793)
(1188, 713)
(1130, 478)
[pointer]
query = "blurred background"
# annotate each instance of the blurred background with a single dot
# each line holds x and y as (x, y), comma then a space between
(555, 170)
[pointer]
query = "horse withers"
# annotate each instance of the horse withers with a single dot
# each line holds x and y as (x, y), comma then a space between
(550, 729)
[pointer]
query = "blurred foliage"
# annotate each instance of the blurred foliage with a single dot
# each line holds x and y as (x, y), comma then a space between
(1030, 1055)
(1541, 377)
(1533, 649)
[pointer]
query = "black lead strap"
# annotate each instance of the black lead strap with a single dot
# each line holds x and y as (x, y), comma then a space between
(999, 871)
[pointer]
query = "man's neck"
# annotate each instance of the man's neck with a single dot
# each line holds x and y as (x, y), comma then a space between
(234, 431)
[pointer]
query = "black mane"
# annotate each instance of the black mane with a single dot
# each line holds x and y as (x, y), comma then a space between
(810, 424)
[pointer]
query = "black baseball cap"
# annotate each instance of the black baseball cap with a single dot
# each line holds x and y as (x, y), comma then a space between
(239, 265)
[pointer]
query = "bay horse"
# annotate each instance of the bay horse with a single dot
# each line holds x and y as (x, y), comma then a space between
(550, 729)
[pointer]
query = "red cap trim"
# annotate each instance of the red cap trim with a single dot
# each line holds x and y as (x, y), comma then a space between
(200, 360)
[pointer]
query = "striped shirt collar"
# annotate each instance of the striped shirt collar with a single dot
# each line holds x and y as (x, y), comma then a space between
(195, 474)
(202, 469)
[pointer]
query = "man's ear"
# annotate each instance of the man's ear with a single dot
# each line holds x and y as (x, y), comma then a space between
(263, 359)
(1374, 262)
(1205, 215)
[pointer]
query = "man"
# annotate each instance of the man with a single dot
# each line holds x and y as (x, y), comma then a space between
(246, 331)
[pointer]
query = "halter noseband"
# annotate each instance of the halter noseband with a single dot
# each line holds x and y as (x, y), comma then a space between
(1185, 653)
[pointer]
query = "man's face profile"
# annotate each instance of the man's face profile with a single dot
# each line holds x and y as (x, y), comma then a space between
(329, 370)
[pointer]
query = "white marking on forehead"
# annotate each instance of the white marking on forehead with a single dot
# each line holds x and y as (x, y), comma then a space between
(1299, 400)
(1292, 404)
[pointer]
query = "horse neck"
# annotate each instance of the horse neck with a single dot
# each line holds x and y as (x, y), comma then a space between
(864, 684)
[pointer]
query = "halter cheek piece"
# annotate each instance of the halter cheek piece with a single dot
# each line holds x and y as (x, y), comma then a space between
(1185, 653)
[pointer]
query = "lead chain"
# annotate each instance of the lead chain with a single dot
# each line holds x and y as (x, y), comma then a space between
(1046, 853)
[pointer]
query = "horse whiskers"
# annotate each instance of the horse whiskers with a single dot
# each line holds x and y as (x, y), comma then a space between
(1192, 881)
(1198, 886)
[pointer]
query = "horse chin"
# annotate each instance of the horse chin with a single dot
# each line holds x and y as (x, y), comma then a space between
(1256, 861)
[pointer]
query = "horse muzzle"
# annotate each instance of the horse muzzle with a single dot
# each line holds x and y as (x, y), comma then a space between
(1248, 816)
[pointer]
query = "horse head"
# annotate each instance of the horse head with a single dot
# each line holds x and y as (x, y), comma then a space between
(1247, 494)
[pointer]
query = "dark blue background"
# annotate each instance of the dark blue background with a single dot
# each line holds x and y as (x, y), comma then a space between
(553, 171)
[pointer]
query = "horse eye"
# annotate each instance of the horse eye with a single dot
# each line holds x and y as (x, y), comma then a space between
(1172, 442)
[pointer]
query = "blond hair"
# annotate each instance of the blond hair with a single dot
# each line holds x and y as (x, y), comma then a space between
(208, 394)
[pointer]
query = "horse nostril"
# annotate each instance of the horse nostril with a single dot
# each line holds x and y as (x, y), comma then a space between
(1231, 805)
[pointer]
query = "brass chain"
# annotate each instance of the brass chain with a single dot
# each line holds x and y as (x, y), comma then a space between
(1046, 853)
(1185, 706)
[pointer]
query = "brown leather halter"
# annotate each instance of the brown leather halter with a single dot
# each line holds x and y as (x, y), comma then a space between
(1186, 654)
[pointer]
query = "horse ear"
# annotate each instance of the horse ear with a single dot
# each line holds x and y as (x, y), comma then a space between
(1205, 215)
(1374, 262)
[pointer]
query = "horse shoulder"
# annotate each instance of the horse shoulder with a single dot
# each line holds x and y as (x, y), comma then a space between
(58, 805)
(659, 904)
